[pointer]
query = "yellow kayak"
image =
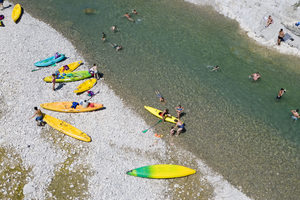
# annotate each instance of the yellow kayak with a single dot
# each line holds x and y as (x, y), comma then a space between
(16, 13)
(86, 85)
(161, 171)
(156, 112)
(66, 128)
(66, 107)
(71, 66)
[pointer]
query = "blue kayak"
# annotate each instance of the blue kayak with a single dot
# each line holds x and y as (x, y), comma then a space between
(49, 61)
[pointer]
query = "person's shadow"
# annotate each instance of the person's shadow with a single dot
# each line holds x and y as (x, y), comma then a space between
(60, 85)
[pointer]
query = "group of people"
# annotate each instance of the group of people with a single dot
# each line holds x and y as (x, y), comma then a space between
(114, 29)
(165, 113)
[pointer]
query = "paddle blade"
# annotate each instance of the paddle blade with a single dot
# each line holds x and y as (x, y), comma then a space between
(144, 131)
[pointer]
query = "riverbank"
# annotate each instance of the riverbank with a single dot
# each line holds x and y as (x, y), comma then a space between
(252, 17)
(52, 164)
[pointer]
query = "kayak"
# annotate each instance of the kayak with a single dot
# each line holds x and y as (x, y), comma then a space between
(49, 61)
(66, 107)
(156, 112)
(66, 128)
(16, 13)
(69, 77)
(161, 171)
(71, 67)
(86, 85)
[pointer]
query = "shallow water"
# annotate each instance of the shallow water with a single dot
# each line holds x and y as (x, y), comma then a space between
(235, 125)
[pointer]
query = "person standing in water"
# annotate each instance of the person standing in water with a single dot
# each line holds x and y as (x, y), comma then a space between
(179, 110)
(103, 37)
(53, 81)
(180, 126)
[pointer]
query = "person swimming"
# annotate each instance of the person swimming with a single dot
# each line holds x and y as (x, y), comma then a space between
(116, 46)
(128, 17)
(255, 76)
(161, 98)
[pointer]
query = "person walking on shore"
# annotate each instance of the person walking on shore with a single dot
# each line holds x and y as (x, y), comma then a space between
(295, 114)
(53, 81)
(179, 110)
(280, 37)
(95, 71)
(39, 117)
(280, 93)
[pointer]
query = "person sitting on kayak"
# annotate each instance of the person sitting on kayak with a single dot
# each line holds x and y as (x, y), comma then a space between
(165, 114)
(39, 117)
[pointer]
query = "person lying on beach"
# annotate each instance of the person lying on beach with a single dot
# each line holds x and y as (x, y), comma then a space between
(280, 93)
(255, 76)
(161, 99)
(134, 12)
(180, 126)
(295, 114)
(179, 110)
(128, 17)
(280, 37)
(215, 68)
(116, 46)
(164, 114)
(269, 21)
(103, 37)
(39, 117)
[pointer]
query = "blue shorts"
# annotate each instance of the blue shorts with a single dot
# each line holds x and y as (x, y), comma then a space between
(294, 118)
(39, 118)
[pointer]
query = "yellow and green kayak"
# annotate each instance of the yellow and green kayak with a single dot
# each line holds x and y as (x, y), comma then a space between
(69, 77)
(16, 13)
(161, 171)
(157, 112)
(66, 128)
(86, 85)
(71, 66)
(66, 107)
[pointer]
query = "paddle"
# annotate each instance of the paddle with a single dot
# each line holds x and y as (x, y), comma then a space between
(42, 68)
(144, 131)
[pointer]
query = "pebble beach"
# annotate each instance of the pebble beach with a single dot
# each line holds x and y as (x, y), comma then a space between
(41, 163)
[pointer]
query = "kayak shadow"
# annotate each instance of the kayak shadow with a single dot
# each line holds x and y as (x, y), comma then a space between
(22, 12)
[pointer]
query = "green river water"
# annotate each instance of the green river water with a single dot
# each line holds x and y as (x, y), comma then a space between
(236, 126)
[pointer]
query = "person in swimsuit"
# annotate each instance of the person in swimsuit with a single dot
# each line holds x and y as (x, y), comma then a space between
(165, 114)
(39, 117)
(295, 115)
(114, 29)
(215, 68)
(103, 37)
(255, 76)
(161, 99)
(280, 37)
(179, 110)
(134, 12)
(117, 47)
(269, 21)
(53, 81)
(128, 17)
(180, 126)
(280, 93)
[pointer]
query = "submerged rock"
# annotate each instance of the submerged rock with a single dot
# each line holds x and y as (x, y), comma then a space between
(89, 11)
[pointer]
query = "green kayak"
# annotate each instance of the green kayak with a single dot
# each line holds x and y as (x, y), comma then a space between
(69, 77)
